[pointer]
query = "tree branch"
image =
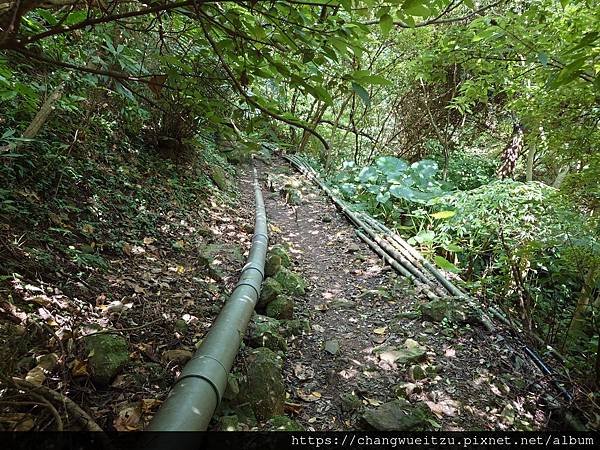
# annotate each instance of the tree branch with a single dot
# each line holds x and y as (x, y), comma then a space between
(438, 20)
(252, 101)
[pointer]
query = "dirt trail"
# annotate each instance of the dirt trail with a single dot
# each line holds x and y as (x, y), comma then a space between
(357, 306)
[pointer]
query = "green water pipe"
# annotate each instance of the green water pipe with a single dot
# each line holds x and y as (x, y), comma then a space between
(201, 385)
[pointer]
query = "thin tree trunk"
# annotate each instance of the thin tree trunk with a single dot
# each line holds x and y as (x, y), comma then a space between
(560, 177)
(530, 160)
(41, 117)
(583, 302)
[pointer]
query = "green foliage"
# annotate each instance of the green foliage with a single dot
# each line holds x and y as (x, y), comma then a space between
(523, 247)
(390, 182)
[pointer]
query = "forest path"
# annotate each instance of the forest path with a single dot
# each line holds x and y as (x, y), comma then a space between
(361, 312)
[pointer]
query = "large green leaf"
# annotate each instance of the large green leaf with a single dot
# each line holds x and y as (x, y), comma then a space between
(368, 175)
(416, 8)
(443, 214)
(385, 24)
(443, 263)
(362, 93)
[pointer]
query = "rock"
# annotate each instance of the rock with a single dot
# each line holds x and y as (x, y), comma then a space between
(229, 423)
(281, 308)
(397, 415)
(353, 248)
(467, 315)
(107, 354)
(181, 326)
(291, 282)
(291, 194)
(342, 303)
(270, 290)
(272, 265)
(179, 356)
(282, 252)
(219, 176)
(350, 403)
(296, 327)
(284, 423)
(233, 387)
(412, 352)
(326, 219)
(435, 310)
(264, 332)
(332, 346)
(416, 373)
(263, 387)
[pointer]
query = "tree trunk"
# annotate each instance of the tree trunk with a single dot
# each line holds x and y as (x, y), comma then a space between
(41, 117)
(583, 302)
(511, 153)
(530, 160)
(560, 177)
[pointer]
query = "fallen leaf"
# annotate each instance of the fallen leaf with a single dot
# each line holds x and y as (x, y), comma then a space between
(450, 353)
(16, 421)
(128, 418)
(150, 404)
(294, 408)
(79, 369)
(373, 402)
(495, 390)
(411, 343)
(308, 397)
(443, 408)
(381, 330)
(36, 376)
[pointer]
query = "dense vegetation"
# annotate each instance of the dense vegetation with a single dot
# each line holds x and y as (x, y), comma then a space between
(470, 127)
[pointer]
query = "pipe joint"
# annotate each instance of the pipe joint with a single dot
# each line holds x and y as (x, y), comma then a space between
(209, 369)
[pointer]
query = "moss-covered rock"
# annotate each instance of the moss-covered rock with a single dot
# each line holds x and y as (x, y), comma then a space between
(282, 252)
(270, 290)
(398, 415)
(284, 423)
(291, 282)
(263, 331)
(281, 308)
(107, 354)
(435, 310)
(232, 390)
(219, 176)
(263, 387)
(229, 423)
(272, 265)
(177, 356)
(350, 403)
(295, 327)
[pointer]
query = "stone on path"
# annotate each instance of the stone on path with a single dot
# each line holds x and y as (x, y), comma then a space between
(397, 415)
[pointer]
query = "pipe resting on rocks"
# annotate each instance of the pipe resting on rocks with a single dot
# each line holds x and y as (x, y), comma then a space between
(202, 383)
